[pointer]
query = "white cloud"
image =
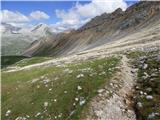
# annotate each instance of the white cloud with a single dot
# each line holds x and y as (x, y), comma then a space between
(20, 20)
(81, 13)
(97, 7)
(38, 15)
(16, 17)
(70, 17)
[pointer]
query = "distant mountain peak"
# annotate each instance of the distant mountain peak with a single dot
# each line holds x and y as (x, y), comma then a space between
(8, 28)
(39, 26)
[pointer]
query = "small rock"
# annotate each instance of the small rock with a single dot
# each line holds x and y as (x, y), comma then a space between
(56, 78)
(139, 105)
(42, 77)
(35, 80)
(79, 87)
(116, 86)
(21, 118)
(38, 114)
(45, 81)
(111, 84)
(102, 73)
(100, 90)
(141, 92)
(8, 112)
(151, 116)
(45, 104)
(60, 115)
(132, 71)
(143, 59)
(76, 99)
(80, 75)
(149, 97)
(149, 89)
(66, 70)
(82, 102)
(71, 71)
(145, 93)
(145, 75)
(100, 94)
(123, 110)
(145, 66)
(72, 113)
(158, 58)
(137, 87)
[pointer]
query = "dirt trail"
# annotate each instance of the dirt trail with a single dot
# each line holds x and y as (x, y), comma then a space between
(118, 106)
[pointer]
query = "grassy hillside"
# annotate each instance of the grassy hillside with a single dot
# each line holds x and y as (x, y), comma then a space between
(56, 92)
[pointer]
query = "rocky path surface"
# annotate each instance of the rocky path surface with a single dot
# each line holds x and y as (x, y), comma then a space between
(113, 102)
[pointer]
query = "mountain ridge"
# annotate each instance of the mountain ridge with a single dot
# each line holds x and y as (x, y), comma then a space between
(16, 39)
(113, 26)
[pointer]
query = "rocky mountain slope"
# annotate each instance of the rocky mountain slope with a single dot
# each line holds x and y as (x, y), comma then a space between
(16, 39)
(118, 80)
(100, 30)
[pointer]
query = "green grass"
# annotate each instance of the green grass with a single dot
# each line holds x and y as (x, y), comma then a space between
(21, 61)
(23, 97)
(9, 60)
(33, 60)
(152, 82)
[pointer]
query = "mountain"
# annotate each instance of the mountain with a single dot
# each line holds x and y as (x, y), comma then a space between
(100, 30)
(16, 39)
(112, 74)
(9, 29)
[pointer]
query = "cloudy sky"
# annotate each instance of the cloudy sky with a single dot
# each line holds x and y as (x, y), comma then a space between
(61, 15)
